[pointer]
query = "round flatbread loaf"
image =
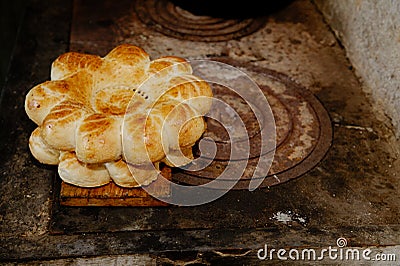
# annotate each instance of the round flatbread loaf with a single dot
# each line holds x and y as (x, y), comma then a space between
(117, 117)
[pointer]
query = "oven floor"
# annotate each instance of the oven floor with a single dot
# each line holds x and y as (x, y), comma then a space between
(352, 193)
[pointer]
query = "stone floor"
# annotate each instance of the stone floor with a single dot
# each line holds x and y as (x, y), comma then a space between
(352, 193)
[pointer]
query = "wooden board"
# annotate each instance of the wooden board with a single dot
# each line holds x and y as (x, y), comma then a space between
(114, 195)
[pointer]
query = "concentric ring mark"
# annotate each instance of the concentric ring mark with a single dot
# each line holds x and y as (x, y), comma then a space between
(166, 18)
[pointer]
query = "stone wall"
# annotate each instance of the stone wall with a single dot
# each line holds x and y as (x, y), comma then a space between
(370, 33)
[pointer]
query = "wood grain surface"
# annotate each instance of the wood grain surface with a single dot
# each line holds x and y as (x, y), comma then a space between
(114, 195)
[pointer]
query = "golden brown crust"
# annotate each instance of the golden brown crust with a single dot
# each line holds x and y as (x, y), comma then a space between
(70, 63)
(132, 176)
(72, 171)
(112, 100)
(98, 139)
(59, 126)
(41, 150)
(142, 139)
(177, 158)
(117, 115)
(40, 100)
(144, 174)
(170, 65)
(120, 174)
(182, 124)
(130, 55)
(192, 90)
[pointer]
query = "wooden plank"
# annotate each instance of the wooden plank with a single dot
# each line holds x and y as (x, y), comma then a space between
(114, 195)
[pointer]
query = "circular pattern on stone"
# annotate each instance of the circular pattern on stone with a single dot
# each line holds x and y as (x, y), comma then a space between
(166, 18)
(217, 132)
(303, 132)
